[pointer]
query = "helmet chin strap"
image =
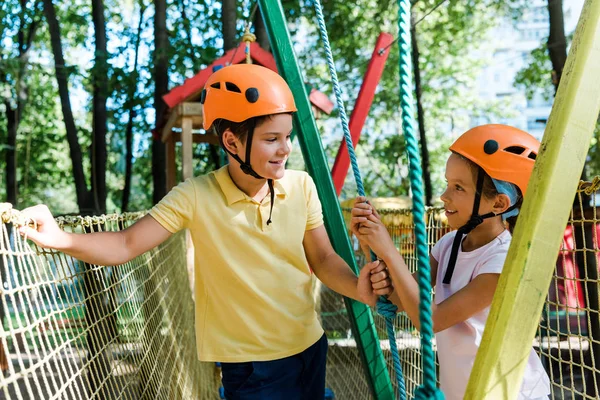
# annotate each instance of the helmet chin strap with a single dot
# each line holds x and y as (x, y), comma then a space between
(473, 223)
(247, 168)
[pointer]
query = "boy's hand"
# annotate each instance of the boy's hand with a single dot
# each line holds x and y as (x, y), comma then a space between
(373, 282)
(48, 234)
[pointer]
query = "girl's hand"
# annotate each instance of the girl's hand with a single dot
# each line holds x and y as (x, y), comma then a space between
(48, 234)
(374, 234)
(360, 212)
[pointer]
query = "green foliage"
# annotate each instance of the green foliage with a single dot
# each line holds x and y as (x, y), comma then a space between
(536, 77)
(449, 37)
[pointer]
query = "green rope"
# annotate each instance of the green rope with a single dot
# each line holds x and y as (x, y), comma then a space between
(384, 306)
(428, 390)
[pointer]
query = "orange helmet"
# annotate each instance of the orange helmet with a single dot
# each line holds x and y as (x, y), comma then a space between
(243, 91)
(503, 152)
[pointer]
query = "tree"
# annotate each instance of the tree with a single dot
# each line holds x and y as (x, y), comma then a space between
(161, 82)
(28, 22)
(229, 23)
(130, 105)
(557, 41)
(420, 114)
(99, 74)
(449, 36)
(62, 78)
(260, 30)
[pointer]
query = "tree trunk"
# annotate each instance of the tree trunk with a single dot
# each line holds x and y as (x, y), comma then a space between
(557, 42)
(25, 36)
(99, 80)
(63, 90)
(229, 21)
(260, 30)
(131, 116)
(213, 150)
(161, 81)
(12, 120)
(421, 118)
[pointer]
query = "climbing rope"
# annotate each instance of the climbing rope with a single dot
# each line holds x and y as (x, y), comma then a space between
(384, 306)
(248, 38)
(428, 389)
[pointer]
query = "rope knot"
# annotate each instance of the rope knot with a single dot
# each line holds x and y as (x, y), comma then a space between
(6, 212)
(249, 37)
(9, 215)
(589, 188)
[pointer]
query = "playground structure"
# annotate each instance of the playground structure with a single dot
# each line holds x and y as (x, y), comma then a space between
(79, 331)
(158, 356)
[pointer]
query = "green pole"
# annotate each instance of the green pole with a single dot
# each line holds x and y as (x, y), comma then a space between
(363, 327)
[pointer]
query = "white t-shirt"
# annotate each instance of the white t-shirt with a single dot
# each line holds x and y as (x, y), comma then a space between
(458, 345)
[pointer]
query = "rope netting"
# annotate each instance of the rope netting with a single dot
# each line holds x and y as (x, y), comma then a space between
(72, 330)
(76, 331)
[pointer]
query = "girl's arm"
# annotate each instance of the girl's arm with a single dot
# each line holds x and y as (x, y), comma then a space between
(433, 265)
(470, 300)
(465, 303)
(99, 248)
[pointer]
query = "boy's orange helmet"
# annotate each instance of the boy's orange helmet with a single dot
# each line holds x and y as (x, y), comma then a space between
(504, 152)
(243, 91)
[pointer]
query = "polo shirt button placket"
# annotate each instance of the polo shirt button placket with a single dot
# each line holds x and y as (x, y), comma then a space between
(263, 208)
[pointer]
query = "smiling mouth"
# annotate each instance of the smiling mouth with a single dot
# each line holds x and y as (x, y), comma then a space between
(277, 162)
(450, 212)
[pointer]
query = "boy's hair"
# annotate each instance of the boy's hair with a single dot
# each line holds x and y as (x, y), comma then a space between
(489, 189)
(239, 129)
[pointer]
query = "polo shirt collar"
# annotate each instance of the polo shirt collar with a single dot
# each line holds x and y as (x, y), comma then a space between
(233, 194)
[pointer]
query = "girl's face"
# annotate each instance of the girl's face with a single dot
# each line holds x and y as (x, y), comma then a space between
(271, 146)
(459, 195)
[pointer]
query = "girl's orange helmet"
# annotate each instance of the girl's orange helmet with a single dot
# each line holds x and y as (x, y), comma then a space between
(504, 152)
(243, 91)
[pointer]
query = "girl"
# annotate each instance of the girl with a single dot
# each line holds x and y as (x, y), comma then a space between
(257, 231)
(487, 176)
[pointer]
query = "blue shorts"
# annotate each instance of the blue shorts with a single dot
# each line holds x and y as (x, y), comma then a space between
(298, 377)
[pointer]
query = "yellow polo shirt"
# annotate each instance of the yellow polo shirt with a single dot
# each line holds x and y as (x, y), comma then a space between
(253, 284)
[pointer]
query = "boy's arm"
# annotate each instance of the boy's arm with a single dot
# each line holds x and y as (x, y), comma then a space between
(100, 248)
(333, 271)
(327, 265)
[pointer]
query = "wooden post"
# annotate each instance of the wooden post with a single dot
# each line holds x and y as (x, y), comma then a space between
(171, 163)
(523, 286)
(186, 147)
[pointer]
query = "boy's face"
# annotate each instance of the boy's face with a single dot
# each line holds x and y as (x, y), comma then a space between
(271, 146)
(459, 195)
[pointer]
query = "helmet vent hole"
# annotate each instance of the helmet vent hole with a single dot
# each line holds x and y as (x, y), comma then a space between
(515, 149)
(216, 85)
(232, 87)
(532, 155)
